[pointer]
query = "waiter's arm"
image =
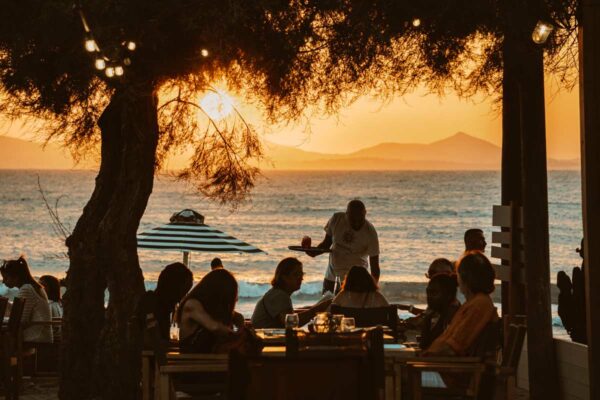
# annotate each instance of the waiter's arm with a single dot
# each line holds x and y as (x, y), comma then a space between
(374, 263)
(325, 244)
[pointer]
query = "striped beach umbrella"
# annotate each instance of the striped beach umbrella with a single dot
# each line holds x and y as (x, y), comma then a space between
(187, 232)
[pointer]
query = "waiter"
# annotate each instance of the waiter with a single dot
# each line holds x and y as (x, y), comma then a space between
(353, 242)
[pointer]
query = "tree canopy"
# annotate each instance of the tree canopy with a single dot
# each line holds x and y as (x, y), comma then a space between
(286, 55)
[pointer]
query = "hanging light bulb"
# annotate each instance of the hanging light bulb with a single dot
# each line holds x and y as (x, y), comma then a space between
(204, 53)
(541, 32)
(110, 72)
(100, 64)
(127, 61)
(416, 22)
(90, 45)
(131, 46)
(119, 71)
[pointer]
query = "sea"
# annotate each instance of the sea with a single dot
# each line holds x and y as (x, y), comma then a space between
(419, 216)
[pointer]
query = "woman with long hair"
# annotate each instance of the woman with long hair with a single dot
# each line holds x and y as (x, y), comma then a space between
(206, 317)
(360, 291)
(15, 273)
(52, 286)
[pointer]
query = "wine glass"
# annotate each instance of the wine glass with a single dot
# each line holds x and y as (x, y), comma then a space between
(174, 332)
(348, 324)
(292, 321)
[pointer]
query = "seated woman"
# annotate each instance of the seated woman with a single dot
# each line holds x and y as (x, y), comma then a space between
(208, 306)
(441, 307)
(52, 287)
(271, 309)
(174, 281)
(360, 291)
(15, 273)
(476, 281)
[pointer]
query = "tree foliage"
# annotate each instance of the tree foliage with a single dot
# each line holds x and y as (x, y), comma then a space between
(285, 55)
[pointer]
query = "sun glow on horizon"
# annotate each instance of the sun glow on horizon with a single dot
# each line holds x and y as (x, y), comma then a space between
(217, 104)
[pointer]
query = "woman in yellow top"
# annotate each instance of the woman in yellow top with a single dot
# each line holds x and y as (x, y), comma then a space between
(476, 281)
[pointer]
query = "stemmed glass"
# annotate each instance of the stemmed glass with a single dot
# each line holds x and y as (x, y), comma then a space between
(348, 324)
(292, 321)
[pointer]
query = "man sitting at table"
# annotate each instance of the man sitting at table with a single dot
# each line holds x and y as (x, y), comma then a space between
(441, 307)
(271, 309)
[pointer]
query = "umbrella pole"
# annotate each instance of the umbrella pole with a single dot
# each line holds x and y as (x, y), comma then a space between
(186, 258)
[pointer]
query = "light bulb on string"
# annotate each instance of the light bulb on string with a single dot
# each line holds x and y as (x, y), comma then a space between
(204, 53)
(541, 32)
(90, 45)
(100, 64)
(416, 22)
(110, 72)
(131, 46)
(119, 71)
(127, 61)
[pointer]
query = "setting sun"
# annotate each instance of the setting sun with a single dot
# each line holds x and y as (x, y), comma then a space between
(217, 104)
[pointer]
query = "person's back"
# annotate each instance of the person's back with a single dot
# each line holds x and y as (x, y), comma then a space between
(360, 291)
(36, 309)
(267, 311)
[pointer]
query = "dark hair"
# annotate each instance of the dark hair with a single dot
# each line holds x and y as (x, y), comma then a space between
(216, 262)
(20, 270)
(359, 280)
(218, 292)
(285, 267)
(356, 205)
(52, 286)
(447, 284)
(438, 265)
(477, 273)
(174, 281)
(470, 232)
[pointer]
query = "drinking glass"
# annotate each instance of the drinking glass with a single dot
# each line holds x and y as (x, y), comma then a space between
(348, 324)
(174, 332)
(337, 321)
(292, 321)
(322, 322)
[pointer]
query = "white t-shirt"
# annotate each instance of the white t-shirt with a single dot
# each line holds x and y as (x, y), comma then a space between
(350, 248)
(36, 309)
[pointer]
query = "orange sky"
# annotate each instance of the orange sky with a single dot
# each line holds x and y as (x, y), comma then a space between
(415, 118)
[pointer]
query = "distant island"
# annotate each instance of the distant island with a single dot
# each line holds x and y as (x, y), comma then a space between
(457, 152)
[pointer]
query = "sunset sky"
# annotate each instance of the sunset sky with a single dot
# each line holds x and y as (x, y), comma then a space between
(416, 118)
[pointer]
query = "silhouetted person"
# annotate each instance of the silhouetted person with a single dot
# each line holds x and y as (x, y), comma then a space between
(52, 286)
(216, 263)
(441, 307)
(440, 266)
(571, 301)
(475, 240)
(174, 281)
(353, 241)
(360, 291)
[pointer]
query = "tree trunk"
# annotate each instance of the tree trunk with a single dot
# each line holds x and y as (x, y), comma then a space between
(101, 350)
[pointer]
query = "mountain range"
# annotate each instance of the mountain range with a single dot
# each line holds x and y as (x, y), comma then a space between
(457, 152)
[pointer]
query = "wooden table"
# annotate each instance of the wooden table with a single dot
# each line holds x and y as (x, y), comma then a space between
(395, 356)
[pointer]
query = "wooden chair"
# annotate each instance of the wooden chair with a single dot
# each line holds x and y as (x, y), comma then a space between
(487, 376)
(316, 367)
(44, 357)
(170, 365)
(365, 317)
(12, 350)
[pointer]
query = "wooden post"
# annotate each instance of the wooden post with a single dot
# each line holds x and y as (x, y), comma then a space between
(186, 258)
(589, 89)
(542, 368)
(513, 293)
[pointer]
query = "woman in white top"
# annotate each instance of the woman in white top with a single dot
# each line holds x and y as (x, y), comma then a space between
(52, 287)
(15, 273)
(360, 291)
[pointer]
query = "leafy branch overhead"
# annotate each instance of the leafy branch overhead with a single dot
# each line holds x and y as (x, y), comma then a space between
(285, 56)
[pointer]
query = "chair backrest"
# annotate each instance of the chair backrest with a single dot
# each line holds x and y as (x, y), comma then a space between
(365, 317)
(3, 304)
(488, 343)
(514, 345)
(16, 313)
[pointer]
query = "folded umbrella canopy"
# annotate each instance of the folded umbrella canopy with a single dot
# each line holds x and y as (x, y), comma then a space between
(187, 232)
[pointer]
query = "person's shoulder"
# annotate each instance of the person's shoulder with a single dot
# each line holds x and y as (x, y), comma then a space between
(480, 300)
(276, 293)
(26, 289)
(370, 226)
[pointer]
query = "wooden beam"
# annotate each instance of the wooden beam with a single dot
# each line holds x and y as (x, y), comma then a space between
(542, 364)
(589, 89)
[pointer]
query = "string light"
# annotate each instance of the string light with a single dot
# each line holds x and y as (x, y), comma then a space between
(131, 46)
(110, 72)
(119, 71)
(541, 32)
(204, 53)
(100, 64)
(416, 22)
(90, 45)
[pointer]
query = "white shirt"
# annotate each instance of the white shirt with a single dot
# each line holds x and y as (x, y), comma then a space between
(350, 248)
(36, 309)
